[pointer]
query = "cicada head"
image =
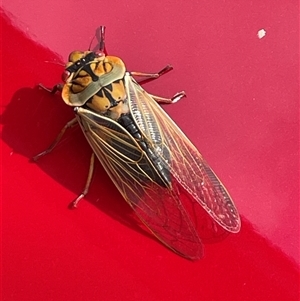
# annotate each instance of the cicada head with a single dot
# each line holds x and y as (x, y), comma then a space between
(86, 73)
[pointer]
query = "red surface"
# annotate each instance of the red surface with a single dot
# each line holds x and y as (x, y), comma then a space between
(241, 112)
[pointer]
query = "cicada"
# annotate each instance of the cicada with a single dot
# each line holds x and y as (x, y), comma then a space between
(155, 167)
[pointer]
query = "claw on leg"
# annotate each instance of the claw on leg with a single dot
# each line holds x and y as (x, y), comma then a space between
(165, 70)
(178, 96)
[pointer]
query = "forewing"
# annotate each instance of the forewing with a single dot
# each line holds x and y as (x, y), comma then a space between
(159, 208)
(186, 164)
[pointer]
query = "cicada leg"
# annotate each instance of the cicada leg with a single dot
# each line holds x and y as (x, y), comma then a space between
(55, 142)
(172, 100)
(56, 88)
(87, 184)
(151, 76)
(91, 168)
(71, 123)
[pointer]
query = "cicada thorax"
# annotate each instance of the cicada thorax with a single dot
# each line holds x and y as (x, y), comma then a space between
(97, 82)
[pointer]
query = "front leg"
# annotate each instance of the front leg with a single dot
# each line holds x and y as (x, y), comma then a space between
(165, 70)
(55, 89)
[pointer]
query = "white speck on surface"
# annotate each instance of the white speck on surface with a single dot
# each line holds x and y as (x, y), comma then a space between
(261, 33)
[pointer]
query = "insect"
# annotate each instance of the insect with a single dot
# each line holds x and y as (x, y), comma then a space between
(158, 171)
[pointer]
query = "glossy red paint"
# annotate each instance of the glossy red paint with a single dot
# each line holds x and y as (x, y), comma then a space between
(241, 112)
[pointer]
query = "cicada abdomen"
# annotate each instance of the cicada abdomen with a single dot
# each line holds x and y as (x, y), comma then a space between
(158, 171)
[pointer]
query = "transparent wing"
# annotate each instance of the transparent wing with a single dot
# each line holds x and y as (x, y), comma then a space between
(200, 184)
(159, 207)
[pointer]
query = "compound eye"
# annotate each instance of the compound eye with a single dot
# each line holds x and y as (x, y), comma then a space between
(66, 74)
